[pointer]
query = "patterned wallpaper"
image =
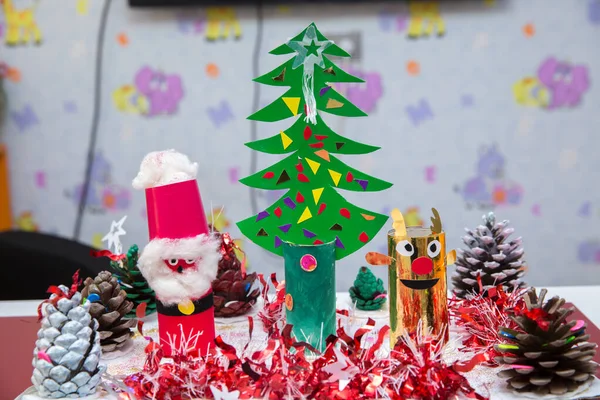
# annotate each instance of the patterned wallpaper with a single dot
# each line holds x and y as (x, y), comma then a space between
(477, 105)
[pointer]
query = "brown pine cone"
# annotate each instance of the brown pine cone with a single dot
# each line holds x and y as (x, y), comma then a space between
(109, 309)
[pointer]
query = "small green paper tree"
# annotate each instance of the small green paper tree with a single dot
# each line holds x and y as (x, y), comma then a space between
(133, 282)
(311, 211)
(368, 292)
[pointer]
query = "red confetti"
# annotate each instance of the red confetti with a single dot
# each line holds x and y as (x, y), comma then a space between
(344, 212)
(299, 197)
(58, 294)
(321, 208)
(318, 145)
(269, 175)
(363, 237)
(307, 133)
(318, 241)
(299, 166)
(303, 178)
(321, 137)
(277, 212)
(349, 177)
(108, 254)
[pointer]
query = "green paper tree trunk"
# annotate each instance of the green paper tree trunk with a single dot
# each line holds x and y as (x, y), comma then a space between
(310, 295)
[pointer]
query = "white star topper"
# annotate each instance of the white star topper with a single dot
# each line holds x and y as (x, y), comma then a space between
(112, 237)
(309, 50)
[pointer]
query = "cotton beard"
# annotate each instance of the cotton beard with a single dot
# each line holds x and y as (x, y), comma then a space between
(173, 287)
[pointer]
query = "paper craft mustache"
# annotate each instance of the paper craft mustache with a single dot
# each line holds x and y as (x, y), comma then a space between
(416, 261)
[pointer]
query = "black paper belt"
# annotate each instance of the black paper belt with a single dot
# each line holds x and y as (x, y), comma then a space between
(200, 306)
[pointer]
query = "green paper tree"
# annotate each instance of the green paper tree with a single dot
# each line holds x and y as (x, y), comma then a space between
(311, 211)
(367, 290)
(133, 282)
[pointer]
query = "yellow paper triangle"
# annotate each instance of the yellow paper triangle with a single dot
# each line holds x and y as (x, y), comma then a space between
(335, 176)
(292, 103)
(324, 154)
(317, 194)
(305, 215)
(285, 140)
(332, 103)
(313, 165)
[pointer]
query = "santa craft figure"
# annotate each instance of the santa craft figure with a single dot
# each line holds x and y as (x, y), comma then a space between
(181, 260)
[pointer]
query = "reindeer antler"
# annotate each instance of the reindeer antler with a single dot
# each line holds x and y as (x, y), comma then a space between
(437, 222)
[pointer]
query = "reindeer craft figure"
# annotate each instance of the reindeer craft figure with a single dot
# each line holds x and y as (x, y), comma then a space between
(416, 261)
(21, 27)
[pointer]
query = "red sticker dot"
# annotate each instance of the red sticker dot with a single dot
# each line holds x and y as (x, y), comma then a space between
(277, 212)
(349, 177)
(299, 197)
(303, 178)
(345, 213)
(307, 133)
(363, 237)
(268, 175)
(322, 208)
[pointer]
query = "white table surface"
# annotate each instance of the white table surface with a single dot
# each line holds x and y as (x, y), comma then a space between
(586, 298)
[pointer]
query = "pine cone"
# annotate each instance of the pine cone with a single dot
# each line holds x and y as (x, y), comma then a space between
(490, 257)
(367, 290)
(67, 353)
(549, 355)
(232, 288)
(109, 309)
(133, 282)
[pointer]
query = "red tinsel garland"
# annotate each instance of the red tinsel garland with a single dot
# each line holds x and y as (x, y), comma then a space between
(480, 317)
(282, 369)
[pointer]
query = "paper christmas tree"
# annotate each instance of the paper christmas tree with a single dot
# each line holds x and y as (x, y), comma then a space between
(311, 211)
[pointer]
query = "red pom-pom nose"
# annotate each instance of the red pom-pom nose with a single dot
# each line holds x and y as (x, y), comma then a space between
(422, 266)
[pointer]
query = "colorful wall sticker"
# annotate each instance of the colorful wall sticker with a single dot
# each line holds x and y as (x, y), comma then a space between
(40, 179)
(594, 12)
(588, 252)
(153, 93)
(222, 22)
(25, 118)
(430, 172)
(103, 195)
(490, 187)
(26, 222)
(10, 73)
(189, 23)
(558, 84)
(425, 19)
(420, 112)
(221, 114)
(82, 7)
(70, 107)
(21, 26)
(364, 95)
(390, 22)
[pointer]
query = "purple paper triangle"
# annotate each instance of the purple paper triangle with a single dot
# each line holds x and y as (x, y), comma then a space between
(285, 228)
(289, 202)
(362, 183)
(338, 243)
(308, 233)
(262, 215)
(324, 90)
(277, 242)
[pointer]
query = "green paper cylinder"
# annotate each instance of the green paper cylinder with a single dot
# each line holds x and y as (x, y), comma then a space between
(310, 292)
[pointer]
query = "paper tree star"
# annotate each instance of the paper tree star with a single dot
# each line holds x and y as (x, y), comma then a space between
(112, 237)
(341, 370)
(309, 51)
(224, 394)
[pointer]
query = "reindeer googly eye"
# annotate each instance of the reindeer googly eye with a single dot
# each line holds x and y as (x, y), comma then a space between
(190, 261)
(173, 261)
(405, 248)
(434, 248)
